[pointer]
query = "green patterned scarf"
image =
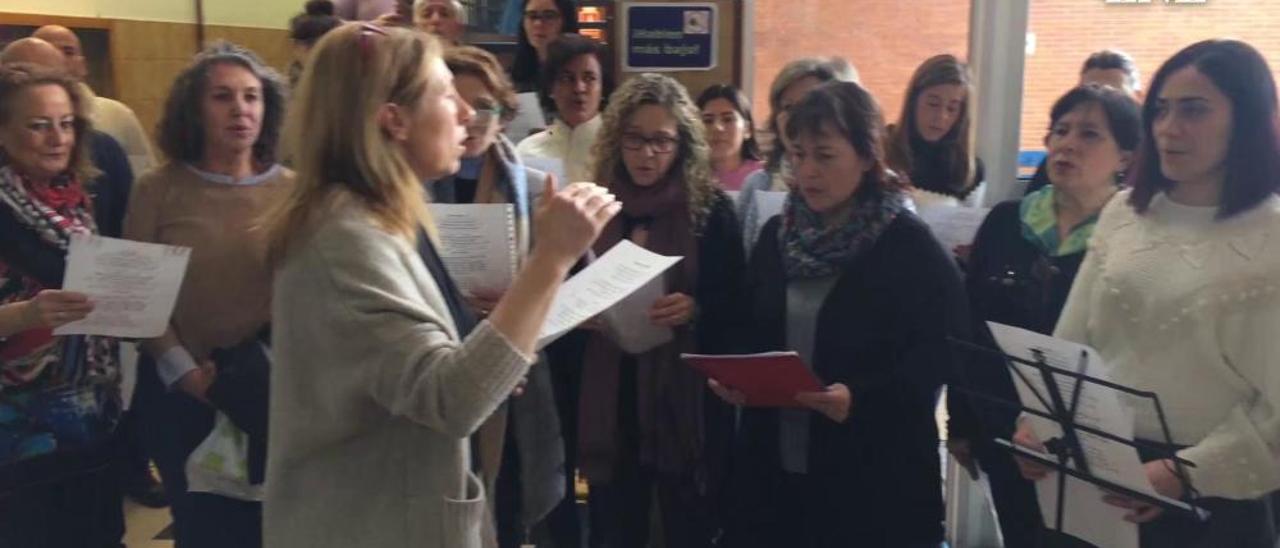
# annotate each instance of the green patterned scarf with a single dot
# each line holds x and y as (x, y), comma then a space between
(1040, 225)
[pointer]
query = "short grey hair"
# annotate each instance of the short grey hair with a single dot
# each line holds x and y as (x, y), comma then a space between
(825, 69)
(459, 10)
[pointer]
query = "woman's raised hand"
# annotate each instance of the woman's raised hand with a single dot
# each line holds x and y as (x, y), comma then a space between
(567, 222)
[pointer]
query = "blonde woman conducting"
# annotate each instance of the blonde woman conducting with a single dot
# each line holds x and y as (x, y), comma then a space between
(380, 375)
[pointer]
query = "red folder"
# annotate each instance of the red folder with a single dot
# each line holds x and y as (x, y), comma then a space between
(771, 379)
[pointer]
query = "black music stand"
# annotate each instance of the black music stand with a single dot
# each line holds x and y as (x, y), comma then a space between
(1067, 449)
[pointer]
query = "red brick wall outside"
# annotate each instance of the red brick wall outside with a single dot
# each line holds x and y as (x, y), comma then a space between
(1066, 31)
(884, 39)
(887, 39)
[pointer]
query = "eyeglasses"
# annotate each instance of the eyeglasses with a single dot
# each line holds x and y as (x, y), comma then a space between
(367, 30)
(544, 15)
(485, 116)
(659, 144)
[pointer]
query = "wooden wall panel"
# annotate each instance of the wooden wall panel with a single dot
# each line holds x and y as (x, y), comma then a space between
(149, 55)
(146, 56)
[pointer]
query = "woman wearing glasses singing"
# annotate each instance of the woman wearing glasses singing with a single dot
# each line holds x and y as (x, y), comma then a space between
(646, 420)
(526, 486)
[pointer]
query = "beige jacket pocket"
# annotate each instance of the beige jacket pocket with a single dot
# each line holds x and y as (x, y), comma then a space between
(464, 522)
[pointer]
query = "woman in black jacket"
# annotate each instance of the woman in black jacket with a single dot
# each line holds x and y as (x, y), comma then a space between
(859, 287)
(1024, 259)
(646, 420)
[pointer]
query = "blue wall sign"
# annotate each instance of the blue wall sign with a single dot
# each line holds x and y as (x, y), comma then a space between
(669, 37)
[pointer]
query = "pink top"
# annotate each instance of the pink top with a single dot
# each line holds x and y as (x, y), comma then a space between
(732, 179)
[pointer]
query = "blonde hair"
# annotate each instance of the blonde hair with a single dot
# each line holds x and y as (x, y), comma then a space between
(18, 77)
(340, 151)
(692, 166)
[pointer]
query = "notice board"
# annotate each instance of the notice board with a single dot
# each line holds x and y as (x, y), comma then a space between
(669, 37)
(650, 36)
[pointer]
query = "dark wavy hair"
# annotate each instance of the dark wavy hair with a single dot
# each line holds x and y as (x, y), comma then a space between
(525, 69)
(1253, 156)
(750, 147)
(181, 130)
(849, 111)
(1124, 119)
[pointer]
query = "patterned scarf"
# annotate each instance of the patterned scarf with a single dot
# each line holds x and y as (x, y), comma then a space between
(53, 213)
(1040, 225)
(668, 392)
(811, 250)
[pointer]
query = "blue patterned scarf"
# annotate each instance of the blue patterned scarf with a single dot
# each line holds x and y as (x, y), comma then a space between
(812, 250)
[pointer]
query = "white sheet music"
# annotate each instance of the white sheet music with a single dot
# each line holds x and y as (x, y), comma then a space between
(1085, 517)
(953, 225)
(1098, 407)
(618, 273)
(133, 285)
(478, 245)
(629, 323)
(529, 119)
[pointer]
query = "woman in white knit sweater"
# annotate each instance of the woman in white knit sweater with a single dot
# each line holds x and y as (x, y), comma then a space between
(1178, 293)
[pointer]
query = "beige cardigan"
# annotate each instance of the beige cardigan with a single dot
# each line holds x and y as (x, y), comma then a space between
(373, 397)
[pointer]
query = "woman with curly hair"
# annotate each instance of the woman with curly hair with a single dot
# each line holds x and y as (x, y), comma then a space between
(644, 419)
(219, 131)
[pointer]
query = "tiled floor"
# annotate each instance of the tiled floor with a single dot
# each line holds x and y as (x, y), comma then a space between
(142, 524)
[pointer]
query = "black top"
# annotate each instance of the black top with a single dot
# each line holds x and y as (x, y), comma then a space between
(464, 190)
(721, 276)
(463, 319)
(26, 252)
(721, 318)
(1012, 282)
(931, 170)
(110, 190)
(882, 331)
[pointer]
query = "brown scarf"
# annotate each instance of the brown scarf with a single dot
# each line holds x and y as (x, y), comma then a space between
(668, 393)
